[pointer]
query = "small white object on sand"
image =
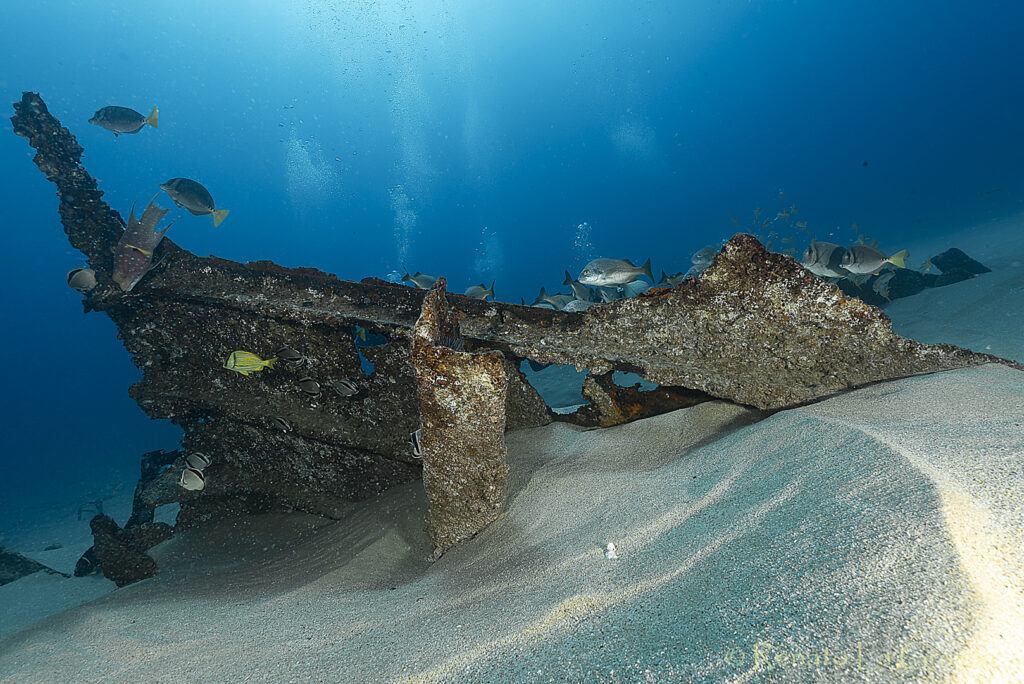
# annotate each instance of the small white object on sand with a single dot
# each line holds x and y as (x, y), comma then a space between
(609, 551)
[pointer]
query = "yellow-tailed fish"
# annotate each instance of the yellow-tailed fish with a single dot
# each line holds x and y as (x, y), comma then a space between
(246, 362)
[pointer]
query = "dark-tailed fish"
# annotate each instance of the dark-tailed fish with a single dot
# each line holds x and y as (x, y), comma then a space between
(881, 284)
(416, 440)
(246, 362)
(704, 255)
(480, 292)
(194, 197)
(289, 355)
(696, 270)
(345, 387)
(193, 480)
(82, 279)
(309, 386)
(672, 280)
(824, 259)
(614, 272)
(420, 280)
(281, 424)
(134, 253)
(579, 290)
(556, 300)
(197, 460)
(119, 120)
(868, 259)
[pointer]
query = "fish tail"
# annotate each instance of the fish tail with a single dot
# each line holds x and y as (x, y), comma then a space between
(218, 216)
(646, 269)
(151, 119)
(542, 296)
(269, 363)
(406, 276)
(568, 279)
(899, 259)
(664, 278)
(490, 290)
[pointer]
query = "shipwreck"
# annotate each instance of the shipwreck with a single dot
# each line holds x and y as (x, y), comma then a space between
(756, 329)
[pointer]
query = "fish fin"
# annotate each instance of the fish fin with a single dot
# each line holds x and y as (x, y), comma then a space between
(218, 216)
(568, 279)
(542, 296)
(151, 119)
(490, 290)
(899, 258)
(664, 278)
(131, 216)
(269, 363)
(243, 372)
(646, 268)
(406, 276)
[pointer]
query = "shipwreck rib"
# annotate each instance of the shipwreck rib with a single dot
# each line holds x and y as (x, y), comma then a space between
(756, 329)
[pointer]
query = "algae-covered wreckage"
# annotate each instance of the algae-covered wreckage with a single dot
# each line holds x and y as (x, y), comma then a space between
(755, 328)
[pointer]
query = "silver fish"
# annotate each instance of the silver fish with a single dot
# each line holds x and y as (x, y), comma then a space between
(480, 292)
(614, 272)
(824, 259)
(82, 279)
(192, 479)
(416, 440)
(289, 355)
(556, 300)
(420, 280)
(119, 120)
(636, 287)
(134, 253)
(881, 284)
(197, 460)
(309, 386)
(577, 305)
(704, 255)
(189, 194)
(868, 259)
(672, 280)
(281, 424)
(579, 290)
(345, 387)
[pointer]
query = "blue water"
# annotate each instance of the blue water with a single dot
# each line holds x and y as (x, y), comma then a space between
(471, 139)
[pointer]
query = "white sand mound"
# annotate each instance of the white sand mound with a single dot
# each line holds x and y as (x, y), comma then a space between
(877, 535)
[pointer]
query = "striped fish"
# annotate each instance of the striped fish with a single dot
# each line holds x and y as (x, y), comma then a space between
(246, 362)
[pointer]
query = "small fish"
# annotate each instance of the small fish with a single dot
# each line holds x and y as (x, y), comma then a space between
(614, 272)
(82, 279)
(416, 440)
(421, 280)
(704, 255)
(868, 259)
(453, 342)
(696, 270)
(194, 197)
(119, 120)
(281, 424)
(289, 355)
(556, 300)
(134, 252)
(609, 294)
(246, 362)
(824, 259)
(193, 480)
(927, 266)
(197, 460)
(672, 280)
(480, 292)
(344, 387)
(579, 290)
(881, 284)
(309, 386)
(636, 287)
(577, 305)
(788, 240)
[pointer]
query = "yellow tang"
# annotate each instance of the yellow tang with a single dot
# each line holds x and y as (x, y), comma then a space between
(246, 362)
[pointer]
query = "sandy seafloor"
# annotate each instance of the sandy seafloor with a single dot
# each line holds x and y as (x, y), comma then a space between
(874, 536)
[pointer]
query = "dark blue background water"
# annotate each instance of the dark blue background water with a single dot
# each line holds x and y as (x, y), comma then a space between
(470, 139)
